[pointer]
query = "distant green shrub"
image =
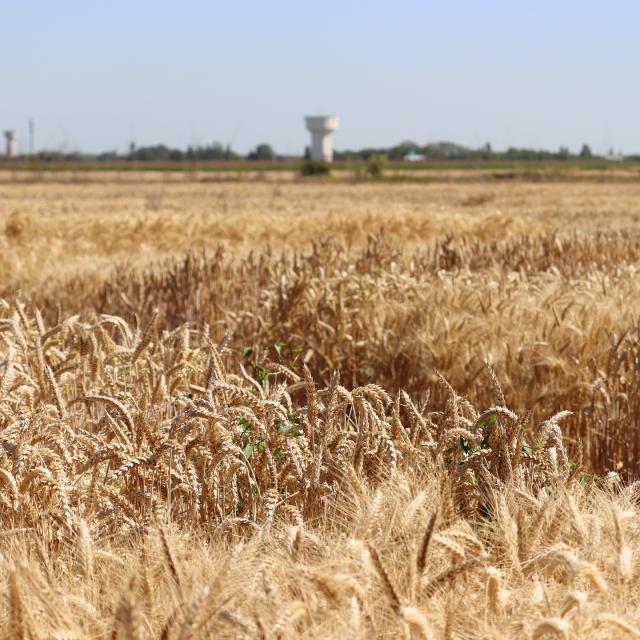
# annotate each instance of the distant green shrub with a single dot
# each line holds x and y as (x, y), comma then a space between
(376, 165)
(315, 168)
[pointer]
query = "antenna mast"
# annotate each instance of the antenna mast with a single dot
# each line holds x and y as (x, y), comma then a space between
(32, 136)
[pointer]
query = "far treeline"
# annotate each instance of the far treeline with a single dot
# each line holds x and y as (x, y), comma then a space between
(452, 151)
(265, 152)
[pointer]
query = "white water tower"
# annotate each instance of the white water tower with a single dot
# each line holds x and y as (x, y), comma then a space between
(12, 143)
(322, 128)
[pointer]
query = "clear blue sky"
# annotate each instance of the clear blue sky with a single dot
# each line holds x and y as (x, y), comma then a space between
(98, 74)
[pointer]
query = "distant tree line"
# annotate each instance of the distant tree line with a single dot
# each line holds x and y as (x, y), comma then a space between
(160, 152)
(163, 153)
(216, 151)
(452, 151)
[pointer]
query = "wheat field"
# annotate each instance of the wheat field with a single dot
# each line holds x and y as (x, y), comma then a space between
(319, 410)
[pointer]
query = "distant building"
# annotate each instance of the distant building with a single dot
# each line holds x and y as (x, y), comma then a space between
(414, 156)
(12, 143)
(322, 129)
(614, 157)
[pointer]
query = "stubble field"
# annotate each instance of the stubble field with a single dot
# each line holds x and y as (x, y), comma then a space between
(315, 409)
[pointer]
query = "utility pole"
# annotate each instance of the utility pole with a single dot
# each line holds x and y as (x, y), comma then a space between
(32, 136)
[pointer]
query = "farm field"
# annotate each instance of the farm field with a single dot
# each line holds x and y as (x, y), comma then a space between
(282, 409)
(59, 230)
